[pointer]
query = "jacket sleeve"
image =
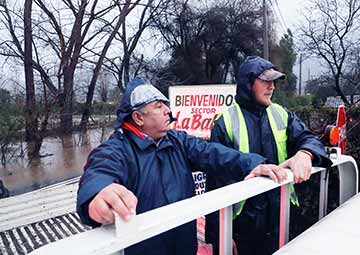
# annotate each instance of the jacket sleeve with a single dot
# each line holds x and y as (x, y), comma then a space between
(219, 135)
(217, 160)
(300, 137)
(105, 165)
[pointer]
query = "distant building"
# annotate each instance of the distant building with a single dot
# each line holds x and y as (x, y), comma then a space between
(336, 101)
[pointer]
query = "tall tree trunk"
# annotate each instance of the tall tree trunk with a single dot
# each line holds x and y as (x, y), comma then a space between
(31, 115)
(30, 111)
(339, 90)
(127, 70)
(91, 89)
(69, 61)
(67, 102)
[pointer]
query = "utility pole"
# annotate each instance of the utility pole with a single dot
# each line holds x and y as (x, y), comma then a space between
(300, 73)
(265, 31)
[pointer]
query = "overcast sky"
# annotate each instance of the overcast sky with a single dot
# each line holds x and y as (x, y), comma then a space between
(288, 17)
(291, 11)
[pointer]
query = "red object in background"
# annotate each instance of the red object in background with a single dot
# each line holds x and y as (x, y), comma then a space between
(331, 136)
(282, 216)
(203, 248)
(341, 124)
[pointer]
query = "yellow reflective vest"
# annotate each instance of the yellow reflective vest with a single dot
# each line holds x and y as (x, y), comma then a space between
(237, 132)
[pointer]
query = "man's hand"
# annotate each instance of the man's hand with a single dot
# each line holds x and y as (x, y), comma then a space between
(300, 164)
(113, 197)
(234, 248)
(276, 173)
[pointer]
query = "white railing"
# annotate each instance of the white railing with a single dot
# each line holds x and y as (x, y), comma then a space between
(114, 238)
(337, 233)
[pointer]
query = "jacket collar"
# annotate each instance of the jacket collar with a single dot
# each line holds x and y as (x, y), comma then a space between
(130, 127)
(142, 140)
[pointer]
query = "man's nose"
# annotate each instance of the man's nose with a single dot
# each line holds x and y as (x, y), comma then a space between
(167, 108)
(271, 86)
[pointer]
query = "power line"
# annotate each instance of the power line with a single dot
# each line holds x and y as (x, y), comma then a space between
(265, 30)
(279, 16)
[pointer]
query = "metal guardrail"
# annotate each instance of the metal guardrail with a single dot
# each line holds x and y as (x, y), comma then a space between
(337, 233)
(348, 180)
(114, 238)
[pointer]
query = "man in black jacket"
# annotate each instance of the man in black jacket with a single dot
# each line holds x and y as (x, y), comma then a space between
(255, 124)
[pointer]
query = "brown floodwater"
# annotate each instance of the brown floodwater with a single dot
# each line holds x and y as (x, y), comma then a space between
(63, 158)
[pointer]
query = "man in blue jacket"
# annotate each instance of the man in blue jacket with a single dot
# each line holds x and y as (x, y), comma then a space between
(144, 165)
(255, 124)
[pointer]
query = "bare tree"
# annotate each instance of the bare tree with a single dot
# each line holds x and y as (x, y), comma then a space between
(30, 110)
(68, 49)
(103, 88)
(352, 75)
(33, 134)
(62, 32)
(12, 47)
(123, 12)
(11, 125)
(329, 33)
(129, 44)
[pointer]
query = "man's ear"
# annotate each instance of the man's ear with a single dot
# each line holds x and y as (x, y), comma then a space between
(138, 118)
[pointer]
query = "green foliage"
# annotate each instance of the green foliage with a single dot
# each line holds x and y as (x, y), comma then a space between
(101, 108)
(11, 122)
(98, 108)
(316, 118)
(288, 58)
(282, 98)
(5, 96)
(324, 86)
(114, 95)
(321, 89)
(206, 45)
(288, 54)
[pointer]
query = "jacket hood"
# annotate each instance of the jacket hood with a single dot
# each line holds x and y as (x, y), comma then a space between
(137, 94)
(249, 70)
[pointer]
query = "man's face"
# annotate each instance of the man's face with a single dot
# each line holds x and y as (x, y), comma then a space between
(156, 119)
(263, 91)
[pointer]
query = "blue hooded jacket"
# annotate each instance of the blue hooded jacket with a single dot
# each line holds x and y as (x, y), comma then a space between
(263, 209)
(157, 173)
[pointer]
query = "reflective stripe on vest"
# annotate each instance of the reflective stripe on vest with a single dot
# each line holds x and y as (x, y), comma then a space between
(237, 131)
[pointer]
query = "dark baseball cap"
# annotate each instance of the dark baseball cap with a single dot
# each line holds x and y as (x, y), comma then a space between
(271, 75)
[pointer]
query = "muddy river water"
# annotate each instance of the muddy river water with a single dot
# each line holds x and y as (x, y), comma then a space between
(63, 158)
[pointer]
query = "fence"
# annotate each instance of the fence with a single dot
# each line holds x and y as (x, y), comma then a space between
(114, 238)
